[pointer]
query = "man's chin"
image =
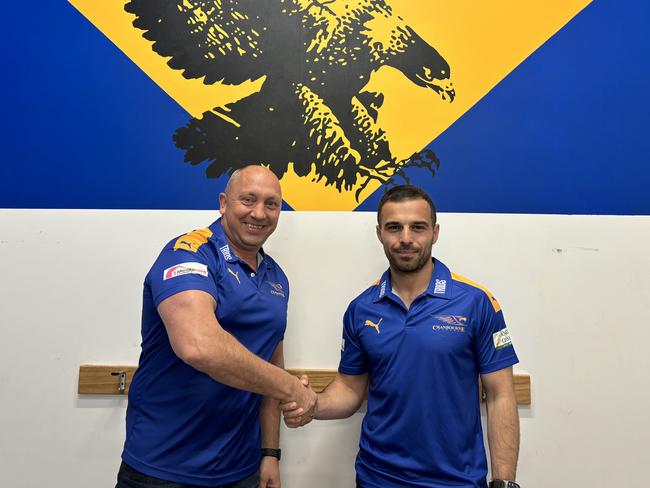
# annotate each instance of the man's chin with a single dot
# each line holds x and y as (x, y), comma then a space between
(407, 269)
(404, 266)
(409, 265)
(254, 240)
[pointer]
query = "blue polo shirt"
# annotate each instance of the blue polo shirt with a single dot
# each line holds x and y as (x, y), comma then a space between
(423, 423)
(181, 425)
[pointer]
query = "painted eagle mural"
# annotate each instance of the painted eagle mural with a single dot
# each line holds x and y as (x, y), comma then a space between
(312, 109)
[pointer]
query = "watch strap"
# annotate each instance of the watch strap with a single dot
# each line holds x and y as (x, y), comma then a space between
(267, 451)
(503, 484)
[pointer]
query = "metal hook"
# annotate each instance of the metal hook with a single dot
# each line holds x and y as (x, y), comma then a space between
(122, 375)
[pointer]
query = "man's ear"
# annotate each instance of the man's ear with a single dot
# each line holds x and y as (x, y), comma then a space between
(222, 203)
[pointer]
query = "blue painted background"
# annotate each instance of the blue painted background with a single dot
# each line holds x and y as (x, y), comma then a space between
(566, 132)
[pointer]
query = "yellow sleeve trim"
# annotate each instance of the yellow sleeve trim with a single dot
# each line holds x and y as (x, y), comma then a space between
(192, 241)
(462, 279)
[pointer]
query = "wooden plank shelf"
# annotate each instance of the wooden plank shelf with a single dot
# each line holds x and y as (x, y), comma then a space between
(105, 380)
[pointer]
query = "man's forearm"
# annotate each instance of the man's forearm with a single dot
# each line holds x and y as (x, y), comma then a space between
(226, 360)
(340, 400)
(270, 422)
(503, 436)
(198, 339)
(270, 409)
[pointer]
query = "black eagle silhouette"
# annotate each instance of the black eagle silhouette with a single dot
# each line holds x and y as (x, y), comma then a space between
(312, 109)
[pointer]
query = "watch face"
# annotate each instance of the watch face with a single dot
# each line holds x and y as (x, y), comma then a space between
(512, 484)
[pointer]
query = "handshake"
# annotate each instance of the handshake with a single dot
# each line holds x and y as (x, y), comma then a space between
(304, 408)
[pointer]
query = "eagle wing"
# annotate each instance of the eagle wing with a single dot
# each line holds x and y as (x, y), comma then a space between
(218, 40)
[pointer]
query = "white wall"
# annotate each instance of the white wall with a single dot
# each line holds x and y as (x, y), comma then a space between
(575, 291)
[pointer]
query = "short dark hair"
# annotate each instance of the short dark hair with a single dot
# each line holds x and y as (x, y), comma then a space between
(401, 193)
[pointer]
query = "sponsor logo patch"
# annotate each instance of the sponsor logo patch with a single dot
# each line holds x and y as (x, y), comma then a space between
(453, 323)
(185, 268)
(276, 289)
(382, 290)
(370, 323)
(440, 287)
(502, 339)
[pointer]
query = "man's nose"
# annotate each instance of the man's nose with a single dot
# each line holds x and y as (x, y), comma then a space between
(406, 236)
(258, 211)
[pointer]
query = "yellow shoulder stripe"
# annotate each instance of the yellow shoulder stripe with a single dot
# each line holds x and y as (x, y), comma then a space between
(462, 279)
(376, 283)
(193, 240)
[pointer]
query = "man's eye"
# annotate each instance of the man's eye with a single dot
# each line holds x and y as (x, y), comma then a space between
(272, 205)
(248, 201)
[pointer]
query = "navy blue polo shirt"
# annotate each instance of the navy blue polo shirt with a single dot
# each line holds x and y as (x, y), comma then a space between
(423, 423)
(181, 425)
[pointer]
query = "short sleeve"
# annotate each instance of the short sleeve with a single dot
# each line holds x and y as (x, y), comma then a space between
(492, 343)
(180, 270)
(353, 358)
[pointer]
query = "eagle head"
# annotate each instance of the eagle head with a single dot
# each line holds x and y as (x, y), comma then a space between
(424, 66)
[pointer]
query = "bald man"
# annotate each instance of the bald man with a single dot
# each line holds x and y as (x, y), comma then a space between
(204, 403)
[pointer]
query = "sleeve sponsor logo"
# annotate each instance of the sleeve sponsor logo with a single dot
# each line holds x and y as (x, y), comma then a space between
(342, 345)
(185, 268)
(502, 339)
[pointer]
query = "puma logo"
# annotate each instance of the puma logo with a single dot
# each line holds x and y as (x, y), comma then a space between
(369, 323)
(235, 274)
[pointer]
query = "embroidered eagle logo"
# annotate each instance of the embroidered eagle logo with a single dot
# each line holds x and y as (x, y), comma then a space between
(452, 319)
(312, 109)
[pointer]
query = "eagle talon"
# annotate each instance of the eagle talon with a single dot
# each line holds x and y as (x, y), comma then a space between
(387, 171)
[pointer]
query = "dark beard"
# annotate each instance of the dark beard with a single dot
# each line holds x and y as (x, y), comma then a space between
(410, 267)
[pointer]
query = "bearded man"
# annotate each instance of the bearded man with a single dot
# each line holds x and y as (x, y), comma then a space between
(417, 341)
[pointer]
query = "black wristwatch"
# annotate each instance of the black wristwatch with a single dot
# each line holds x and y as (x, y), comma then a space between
(267, 451)
(503, 484)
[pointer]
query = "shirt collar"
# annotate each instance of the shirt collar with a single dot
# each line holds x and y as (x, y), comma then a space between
(383, 286)
(439, 286)
(226, 250)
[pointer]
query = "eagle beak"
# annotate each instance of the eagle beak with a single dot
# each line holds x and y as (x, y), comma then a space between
(443, 87)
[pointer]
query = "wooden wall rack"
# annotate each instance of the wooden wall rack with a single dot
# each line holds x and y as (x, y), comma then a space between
(116, 379)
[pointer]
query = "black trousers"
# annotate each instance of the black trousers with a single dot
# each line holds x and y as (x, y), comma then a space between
(128, 477)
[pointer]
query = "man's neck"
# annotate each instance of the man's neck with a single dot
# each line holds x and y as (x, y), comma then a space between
(249, 257)
(409, 286)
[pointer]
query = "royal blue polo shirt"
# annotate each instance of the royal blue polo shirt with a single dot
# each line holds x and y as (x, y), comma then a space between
(423, 423)
(181, 425)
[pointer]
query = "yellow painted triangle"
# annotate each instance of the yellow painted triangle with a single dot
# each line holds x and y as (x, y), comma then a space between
(482, 41)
